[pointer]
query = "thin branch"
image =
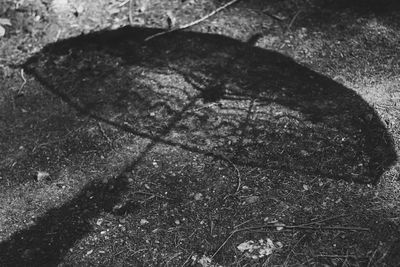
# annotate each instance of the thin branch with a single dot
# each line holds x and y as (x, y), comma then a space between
(130, 12)
(151, 195)
(187, 260)
(293, 19)
(240, 224)
(223, 244)
(292, 250)
(203, 107)
(335, 256)
(123, 3)
(301, 227)
(24, 81)
(324, 220)
(239, 177)
(372, 258)
(103, 133)
(266, 12)
(193, 22)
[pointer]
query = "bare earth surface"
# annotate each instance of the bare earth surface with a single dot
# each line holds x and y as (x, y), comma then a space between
(266, 135)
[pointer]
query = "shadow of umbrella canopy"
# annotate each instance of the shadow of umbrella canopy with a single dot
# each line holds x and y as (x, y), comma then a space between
(217, 96)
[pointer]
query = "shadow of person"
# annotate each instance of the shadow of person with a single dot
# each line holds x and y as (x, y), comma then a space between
(206, 94)
(52, 234)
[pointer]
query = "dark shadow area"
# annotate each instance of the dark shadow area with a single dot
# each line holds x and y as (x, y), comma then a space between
(206, 94)
(45, 243)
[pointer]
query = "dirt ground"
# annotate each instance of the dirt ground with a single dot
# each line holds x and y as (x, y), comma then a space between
(265, 135)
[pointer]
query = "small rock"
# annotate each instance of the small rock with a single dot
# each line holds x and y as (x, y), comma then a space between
(41, 176)
(304, 153)
(198, 196)
(144, 222)
(252, 199)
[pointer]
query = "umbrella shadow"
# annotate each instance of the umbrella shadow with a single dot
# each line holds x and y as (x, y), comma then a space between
(207, 94)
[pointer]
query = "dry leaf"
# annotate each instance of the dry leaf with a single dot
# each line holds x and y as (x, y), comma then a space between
(259, 249)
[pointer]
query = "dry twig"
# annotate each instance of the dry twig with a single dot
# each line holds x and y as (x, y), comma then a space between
(292, 250)
(187, 260)
(301, 227)
(293, 19)
(239, 177)
(324, 220)
(124, 3)
(278, 18)
(335, 256)
(223, 244)
(130, 12)
(152, 195)
(193, 22)
(24, 81)
(103, 133)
